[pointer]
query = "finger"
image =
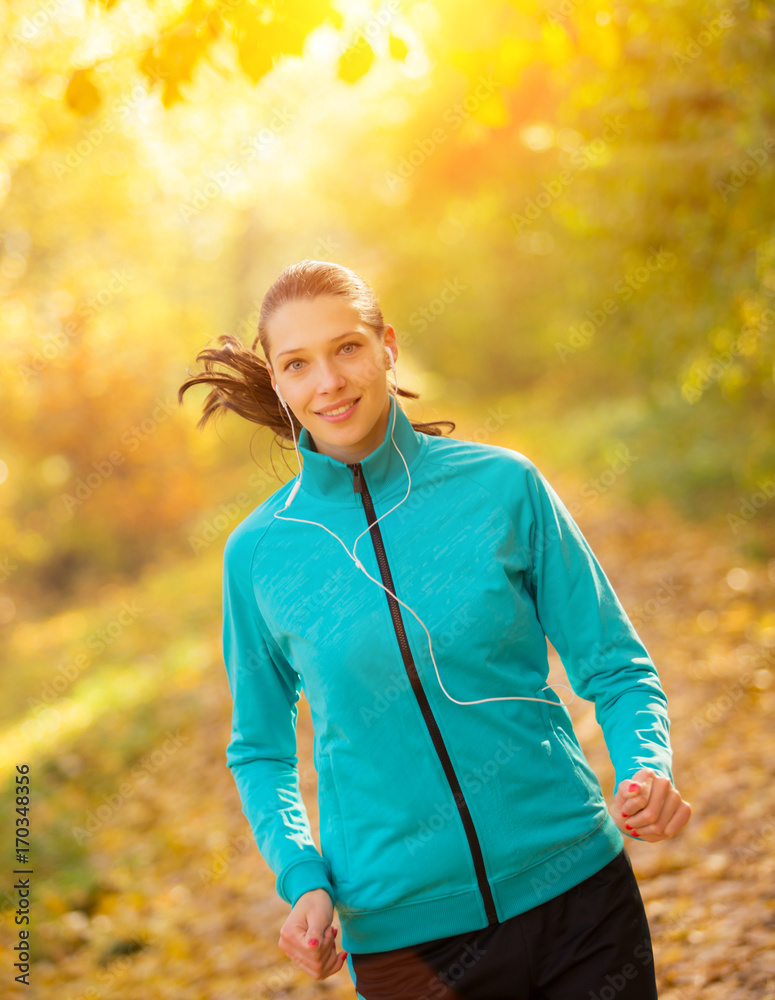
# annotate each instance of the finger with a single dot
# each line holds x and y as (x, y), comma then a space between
(323, 967)
(303, 966)
(318, 931)
(313, 966)
(334, 963)
(650, 813)
(632, 793)
(679, 819)
(649, 796)
(315, 955)
(643, 825)
(670, 822)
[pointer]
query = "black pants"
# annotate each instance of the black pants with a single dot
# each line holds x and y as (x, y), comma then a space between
(589, 943)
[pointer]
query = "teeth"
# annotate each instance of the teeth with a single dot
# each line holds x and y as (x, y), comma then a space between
(342, 409)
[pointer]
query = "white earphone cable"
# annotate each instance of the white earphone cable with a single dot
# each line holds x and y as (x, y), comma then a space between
(360, 565)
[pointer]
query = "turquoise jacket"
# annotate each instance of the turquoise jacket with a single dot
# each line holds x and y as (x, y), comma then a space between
(435, 818)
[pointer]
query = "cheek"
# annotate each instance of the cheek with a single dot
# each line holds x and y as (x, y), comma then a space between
(374, 373)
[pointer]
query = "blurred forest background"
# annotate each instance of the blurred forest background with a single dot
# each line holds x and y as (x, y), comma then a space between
(567, 209)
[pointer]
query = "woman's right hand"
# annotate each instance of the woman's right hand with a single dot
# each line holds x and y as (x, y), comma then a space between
(310, 921)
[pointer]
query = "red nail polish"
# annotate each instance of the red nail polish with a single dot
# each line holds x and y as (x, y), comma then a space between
(625, 815)
(633, 788)
(312, 943)
(627, 826)
(334, 930)
(635, 834)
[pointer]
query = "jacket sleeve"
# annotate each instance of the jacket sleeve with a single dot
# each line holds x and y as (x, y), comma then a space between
(606, 661)
(261, 753)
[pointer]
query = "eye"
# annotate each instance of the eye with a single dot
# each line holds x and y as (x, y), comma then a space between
(350, 343)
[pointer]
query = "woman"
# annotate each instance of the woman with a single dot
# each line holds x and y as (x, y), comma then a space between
(465, 841)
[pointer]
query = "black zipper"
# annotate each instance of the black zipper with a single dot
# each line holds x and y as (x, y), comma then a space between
(359, 486)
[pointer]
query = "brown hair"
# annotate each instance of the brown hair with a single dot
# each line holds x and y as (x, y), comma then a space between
(248, 388)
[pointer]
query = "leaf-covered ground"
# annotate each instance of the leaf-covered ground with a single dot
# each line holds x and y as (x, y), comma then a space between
(165, 895)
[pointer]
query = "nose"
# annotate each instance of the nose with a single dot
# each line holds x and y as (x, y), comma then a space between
(329, 377)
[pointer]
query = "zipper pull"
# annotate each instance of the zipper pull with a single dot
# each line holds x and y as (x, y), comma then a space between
(357, 478)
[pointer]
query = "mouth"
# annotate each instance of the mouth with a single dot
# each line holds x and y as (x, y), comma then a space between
(340, 413)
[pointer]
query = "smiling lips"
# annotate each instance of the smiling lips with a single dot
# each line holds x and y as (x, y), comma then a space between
(339, 410)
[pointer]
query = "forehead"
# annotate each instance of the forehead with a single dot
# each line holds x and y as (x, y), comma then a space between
(307, 320)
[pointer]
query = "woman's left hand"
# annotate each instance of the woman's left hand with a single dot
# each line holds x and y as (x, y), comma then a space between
(648, 807)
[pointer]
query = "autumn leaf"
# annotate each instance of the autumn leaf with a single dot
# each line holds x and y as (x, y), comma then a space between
(81, 94)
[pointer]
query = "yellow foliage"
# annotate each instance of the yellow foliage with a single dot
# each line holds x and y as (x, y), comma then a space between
(492, 111)
(557, 48)
(398, 47)
(355, 61)
(81, 94)
(604, 45)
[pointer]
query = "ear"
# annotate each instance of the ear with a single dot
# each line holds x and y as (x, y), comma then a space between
(390, 340)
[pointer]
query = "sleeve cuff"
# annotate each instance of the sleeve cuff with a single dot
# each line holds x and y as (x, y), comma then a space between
(303, 876)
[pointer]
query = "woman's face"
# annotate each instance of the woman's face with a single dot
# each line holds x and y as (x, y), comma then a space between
(322, 355)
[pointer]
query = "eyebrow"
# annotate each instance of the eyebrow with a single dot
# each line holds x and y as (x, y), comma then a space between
(333, 340)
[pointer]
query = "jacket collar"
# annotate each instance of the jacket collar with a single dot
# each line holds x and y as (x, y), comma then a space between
(332, 479)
